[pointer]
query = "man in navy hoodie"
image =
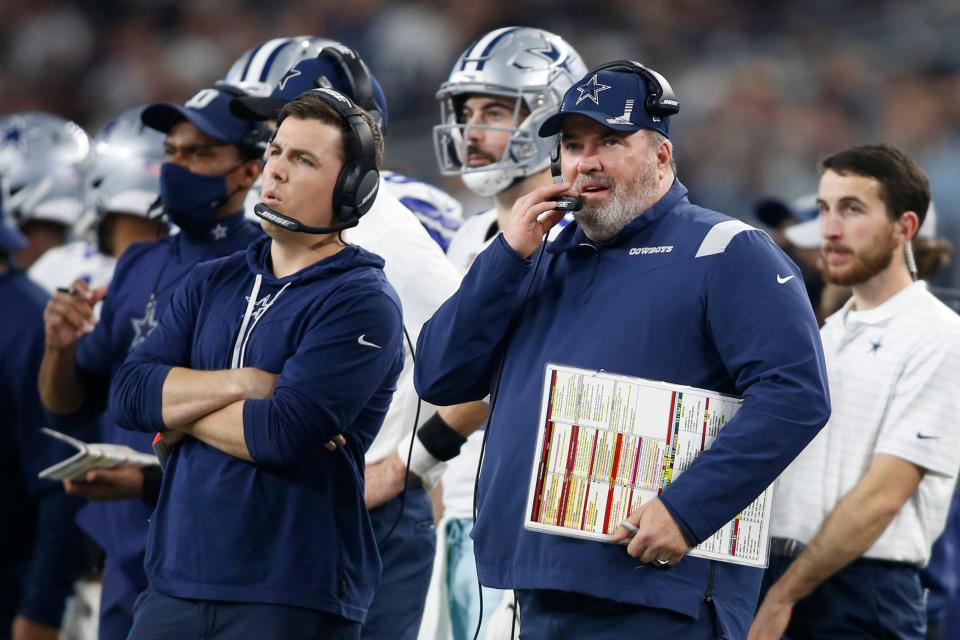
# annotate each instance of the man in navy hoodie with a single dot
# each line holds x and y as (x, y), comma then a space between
(211, 159)
(262, 361)
(644, 284)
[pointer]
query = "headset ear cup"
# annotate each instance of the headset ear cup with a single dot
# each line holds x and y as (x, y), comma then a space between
(366, 192)
(555, 168)
(344, 192)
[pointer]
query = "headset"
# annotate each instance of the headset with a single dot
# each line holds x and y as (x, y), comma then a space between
(661, 102)
(358, 79)
(359, 179)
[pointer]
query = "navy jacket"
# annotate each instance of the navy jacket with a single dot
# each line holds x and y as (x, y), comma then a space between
(290, 528)
(41, 549)
(150, 269)
(682, 294)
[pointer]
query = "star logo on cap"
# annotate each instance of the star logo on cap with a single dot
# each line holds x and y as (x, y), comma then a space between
(591, 90)
(219, 232)
(293, 73)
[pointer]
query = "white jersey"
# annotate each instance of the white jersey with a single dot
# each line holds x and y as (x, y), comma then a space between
(893, 373)
(439, 212)
(416, 267)
(474, 236)
(60, 266)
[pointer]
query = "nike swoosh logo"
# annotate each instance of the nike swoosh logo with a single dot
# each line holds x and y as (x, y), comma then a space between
(784, 280)
(921, 436)
(365, 343)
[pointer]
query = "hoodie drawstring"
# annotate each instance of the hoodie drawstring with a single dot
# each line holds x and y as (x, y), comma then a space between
(246, 328)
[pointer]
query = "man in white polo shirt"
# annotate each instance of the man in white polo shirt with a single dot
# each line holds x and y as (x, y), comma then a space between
(856, 513)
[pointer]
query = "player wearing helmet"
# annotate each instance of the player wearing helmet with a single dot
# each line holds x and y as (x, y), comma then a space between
(499, 92)
(121, 183)
(41, 162)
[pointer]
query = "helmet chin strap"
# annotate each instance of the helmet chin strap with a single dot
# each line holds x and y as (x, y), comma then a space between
(291, 224)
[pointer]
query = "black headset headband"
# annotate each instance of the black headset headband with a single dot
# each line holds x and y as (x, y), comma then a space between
(358, 78)
(662, 101)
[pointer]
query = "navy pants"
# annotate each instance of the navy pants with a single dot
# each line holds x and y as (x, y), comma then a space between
(407, 557)
(867, 599)
(116, 602)
(160, 617)
(560, 615)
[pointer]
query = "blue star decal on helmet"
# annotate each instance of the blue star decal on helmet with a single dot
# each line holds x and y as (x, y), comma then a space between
(537, 57)
(11, 135)
(591, 90)
(292, 73)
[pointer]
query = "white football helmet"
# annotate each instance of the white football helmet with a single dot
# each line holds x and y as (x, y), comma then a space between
(260, 68)
(41, 164)
(532, 66)
(122, 174)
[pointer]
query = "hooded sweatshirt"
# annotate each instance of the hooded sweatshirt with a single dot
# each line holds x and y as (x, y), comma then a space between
(291, 527)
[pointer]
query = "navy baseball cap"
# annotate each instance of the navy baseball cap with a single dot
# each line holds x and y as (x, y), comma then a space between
(312, 73)
(208, 110)
(775, 211)
(615, 99)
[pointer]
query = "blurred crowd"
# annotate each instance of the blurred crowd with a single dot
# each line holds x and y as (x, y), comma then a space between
(766, 89)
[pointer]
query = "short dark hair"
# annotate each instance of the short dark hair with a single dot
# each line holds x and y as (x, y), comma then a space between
(903, 184)
(310, 106)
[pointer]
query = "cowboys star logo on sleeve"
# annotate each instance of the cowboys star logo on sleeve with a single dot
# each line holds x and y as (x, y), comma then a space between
(591, 90)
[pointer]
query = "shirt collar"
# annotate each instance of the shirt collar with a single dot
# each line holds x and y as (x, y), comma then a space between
(902, 301)
(573, 236)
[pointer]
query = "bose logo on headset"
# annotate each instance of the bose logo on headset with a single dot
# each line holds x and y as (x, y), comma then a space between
(334, 94)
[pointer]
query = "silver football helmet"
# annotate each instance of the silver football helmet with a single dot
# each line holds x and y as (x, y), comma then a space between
(123, 171)
(41, 164)
(532, 66)
(260, 68)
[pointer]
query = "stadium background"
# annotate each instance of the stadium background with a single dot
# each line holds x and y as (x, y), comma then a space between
(766, 88)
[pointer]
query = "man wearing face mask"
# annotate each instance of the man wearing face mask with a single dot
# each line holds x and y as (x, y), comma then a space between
(211, 159)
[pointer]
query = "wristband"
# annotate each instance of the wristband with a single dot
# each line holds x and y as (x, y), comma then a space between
(439, 439)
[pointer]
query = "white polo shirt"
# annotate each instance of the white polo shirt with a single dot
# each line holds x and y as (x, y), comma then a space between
(423, 278)
(894, 375)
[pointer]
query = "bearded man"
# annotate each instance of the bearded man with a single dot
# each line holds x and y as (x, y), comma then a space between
(855, 515)
(646, 284)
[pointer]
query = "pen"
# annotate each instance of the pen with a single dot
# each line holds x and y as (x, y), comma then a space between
(632, 530)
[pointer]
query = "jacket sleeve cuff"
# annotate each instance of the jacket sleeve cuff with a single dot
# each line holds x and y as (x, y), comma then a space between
(153, 396)
(692, 538)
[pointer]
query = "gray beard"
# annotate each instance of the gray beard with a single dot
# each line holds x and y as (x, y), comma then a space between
(602, 221)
